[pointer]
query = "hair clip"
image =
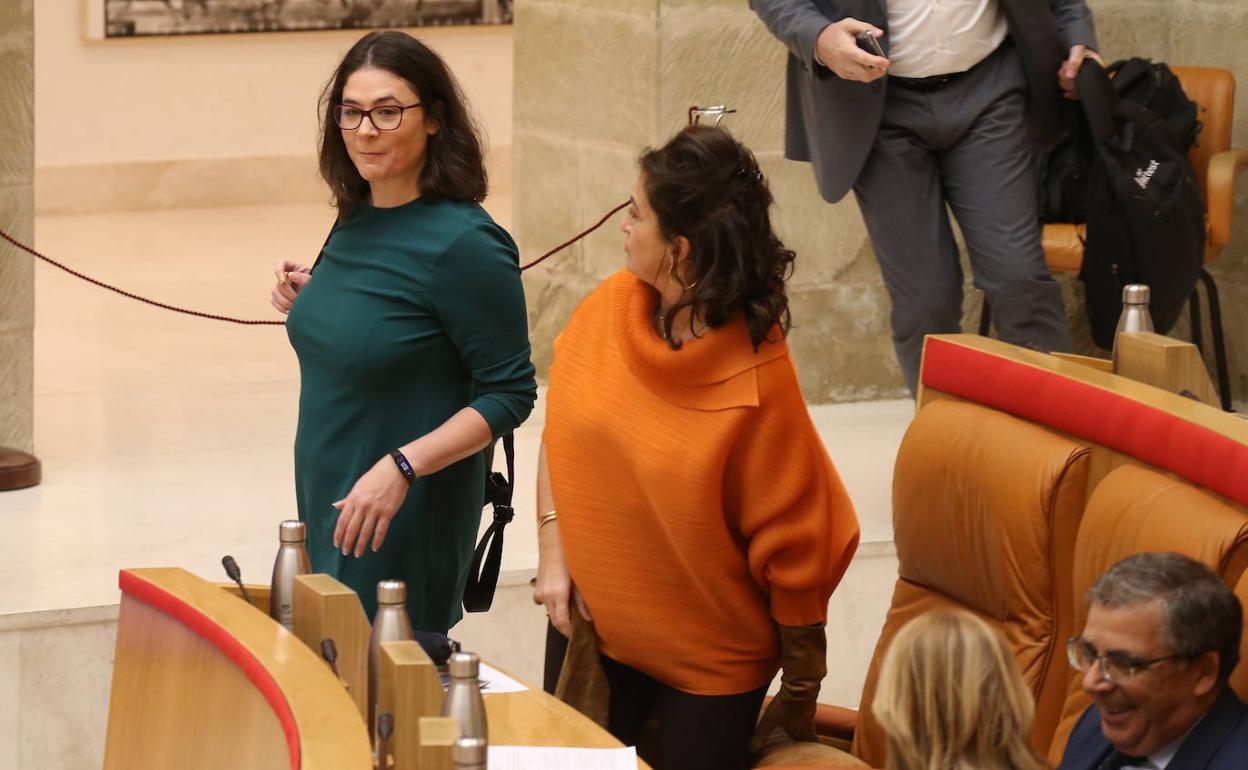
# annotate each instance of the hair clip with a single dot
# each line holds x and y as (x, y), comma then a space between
(742, 172)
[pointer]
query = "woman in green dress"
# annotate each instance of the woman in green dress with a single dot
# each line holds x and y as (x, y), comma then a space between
(412, 339)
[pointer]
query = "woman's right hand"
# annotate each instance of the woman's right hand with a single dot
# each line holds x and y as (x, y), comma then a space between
(291, 277)
(554, 586)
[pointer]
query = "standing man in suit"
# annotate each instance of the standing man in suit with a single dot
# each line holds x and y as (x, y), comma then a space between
(1161, 639)
(942, 121)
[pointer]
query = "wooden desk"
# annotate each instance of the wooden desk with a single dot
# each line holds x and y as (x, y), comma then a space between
(534, 718)
(203, 680)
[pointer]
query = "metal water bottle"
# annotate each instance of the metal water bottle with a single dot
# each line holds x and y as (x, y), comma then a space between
(469, 753)
(1135, 316)
(390, 624)
(292, 559)
(463, 700)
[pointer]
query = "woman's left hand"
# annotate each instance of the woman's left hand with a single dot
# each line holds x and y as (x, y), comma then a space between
(365, 513)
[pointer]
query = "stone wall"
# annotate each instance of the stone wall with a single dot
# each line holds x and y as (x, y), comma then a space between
(17, 276)
(599, 80)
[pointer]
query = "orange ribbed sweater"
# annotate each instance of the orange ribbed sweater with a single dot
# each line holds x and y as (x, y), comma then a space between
(697, 504)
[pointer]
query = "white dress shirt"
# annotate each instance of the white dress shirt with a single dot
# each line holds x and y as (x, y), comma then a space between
(940, 37)
(1160, 759)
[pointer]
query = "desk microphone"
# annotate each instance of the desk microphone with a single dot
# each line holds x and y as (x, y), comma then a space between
(231, 569)
(329, 651)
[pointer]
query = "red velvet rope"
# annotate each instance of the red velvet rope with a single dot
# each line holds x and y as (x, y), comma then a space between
(247, 322)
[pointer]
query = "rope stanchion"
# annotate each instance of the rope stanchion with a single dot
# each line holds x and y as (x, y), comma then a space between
(132, 295)
(251, 322)
(576, 238)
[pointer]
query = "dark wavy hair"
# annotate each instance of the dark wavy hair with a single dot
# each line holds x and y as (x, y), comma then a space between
(706, 186)
(454, 165)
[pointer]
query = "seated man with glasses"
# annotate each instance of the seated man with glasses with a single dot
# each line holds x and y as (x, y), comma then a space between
(1161, 639)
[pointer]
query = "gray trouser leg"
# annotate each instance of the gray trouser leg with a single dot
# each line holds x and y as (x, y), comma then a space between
(903, 206)
(964, 147)
(990, 186)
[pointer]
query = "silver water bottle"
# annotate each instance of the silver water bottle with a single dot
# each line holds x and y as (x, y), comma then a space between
(463, 700)
(1135, 316)
(292, 559)
(469, 753)
(390, 624)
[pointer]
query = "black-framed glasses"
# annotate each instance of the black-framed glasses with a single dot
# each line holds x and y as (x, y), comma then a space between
(388, 117)
(1116, 667)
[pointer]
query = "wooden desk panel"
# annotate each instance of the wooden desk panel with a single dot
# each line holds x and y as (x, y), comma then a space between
(203, 680)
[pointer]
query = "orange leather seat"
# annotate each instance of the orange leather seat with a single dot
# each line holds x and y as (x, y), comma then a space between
(1137, 510)
(985, 511)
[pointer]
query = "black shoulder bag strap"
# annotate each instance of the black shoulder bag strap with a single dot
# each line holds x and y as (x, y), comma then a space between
(321, 253)
(488, 557)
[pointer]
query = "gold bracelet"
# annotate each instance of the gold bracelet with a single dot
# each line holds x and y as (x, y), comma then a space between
(546, 519)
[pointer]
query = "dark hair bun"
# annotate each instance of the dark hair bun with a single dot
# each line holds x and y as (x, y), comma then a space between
(706, 186)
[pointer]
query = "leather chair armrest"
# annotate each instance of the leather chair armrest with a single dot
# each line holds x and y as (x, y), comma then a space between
(809, 755)
(1063, 247)
(835, 722)
(1223, 168)
(834, 725)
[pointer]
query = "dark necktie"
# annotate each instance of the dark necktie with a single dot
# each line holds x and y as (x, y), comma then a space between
(1117, 760)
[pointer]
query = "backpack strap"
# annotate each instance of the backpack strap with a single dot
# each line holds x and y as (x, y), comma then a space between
(1098, 98)
(488, 556)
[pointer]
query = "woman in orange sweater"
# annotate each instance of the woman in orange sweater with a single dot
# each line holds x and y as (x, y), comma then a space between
(686, 502)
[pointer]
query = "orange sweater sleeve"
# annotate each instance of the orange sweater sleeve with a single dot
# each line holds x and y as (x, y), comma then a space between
(786, 499)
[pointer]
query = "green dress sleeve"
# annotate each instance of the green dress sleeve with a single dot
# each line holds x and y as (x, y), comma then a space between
(478, 296)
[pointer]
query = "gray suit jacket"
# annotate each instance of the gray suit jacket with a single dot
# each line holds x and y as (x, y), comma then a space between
(832, 122)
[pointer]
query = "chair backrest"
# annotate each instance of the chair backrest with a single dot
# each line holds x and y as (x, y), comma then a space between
(985, 512)
(1213, 90)
(1138, 510)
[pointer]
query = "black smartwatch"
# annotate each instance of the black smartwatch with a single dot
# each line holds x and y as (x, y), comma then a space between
(404, 466)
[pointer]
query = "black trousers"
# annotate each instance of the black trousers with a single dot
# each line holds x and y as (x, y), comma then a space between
(695, 732)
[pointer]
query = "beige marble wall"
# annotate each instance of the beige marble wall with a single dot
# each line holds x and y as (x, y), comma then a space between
(17, 277)
(56, 671)
(597, 82)
(204, 182)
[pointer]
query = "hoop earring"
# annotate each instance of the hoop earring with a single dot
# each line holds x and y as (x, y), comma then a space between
(671, 273)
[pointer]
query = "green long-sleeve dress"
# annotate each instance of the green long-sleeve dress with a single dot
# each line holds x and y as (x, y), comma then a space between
(413, 313)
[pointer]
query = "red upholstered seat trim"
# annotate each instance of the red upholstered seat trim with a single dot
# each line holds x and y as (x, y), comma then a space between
(214, 634)
(1152, 435)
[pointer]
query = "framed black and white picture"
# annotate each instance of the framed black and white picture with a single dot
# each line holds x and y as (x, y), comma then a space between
(107, 19)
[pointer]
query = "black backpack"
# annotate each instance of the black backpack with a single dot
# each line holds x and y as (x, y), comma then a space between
(1062, 172)
(1145, 217)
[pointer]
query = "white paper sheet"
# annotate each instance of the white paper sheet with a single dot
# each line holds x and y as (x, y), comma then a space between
(551, 758)
(494, 681)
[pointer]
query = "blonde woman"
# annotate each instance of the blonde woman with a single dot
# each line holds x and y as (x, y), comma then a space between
(951, 698)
